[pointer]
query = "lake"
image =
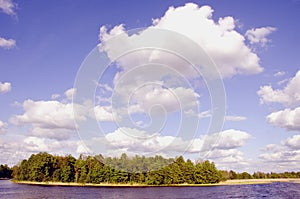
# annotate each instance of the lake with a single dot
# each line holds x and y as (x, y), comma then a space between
(278, 190)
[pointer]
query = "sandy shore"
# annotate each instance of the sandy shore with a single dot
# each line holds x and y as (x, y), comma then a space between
(228, 182)
(260, 181)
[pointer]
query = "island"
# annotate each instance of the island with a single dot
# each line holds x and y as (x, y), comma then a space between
(138, 171)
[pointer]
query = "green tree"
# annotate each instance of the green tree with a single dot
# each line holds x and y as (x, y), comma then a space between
(5, 171)
(68, 169)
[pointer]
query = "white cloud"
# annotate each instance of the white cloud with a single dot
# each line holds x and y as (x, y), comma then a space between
(225, 152)
(11, 152)
(82, 149)
(232, 138)
(171, 99)
(287, 156)
(288, 96)
(5, 87)
(70, 93)
(227, 158)
(136, 141)
(220, 40)
(55, 96)
(259, 35)
(293, 142)
(280, 157)
(284, 81)
(169, 84)
(8, 7)
(46, 114)
(49, 119)
(225, 45)
(16, 147)
(132, 96)
(3, 127)
(56, 134)
(7, 43)
(204, 114)
(201, 115)
(287, 118)
(234, 118)
(225, 140)
(284, 156)
(103, 113)
(279, 74)
(34, 144)
(270, 147)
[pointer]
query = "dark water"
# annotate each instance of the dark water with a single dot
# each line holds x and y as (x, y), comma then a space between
(275, 190)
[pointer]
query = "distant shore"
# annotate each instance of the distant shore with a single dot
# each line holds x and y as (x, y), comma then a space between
(259, 181)
(228, 182)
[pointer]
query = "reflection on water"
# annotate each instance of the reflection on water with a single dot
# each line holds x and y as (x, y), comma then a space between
(10, 190)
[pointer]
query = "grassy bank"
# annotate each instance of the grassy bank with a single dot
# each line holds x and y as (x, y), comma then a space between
(228, 182)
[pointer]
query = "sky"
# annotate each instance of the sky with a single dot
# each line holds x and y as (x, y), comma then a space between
(215, 80)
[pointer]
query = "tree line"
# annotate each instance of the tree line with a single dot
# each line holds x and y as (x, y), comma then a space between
(232, 175)
(5, 172)
(44, 167)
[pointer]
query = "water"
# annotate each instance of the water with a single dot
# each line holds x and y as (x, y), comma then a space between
(10, 190)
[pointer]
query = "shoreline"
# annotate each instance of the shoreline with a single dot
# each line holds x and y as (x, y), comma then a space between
(260, 181)
(225, 183)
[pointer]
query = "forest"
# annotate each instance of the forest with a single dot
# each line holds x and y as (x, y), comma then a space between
(44, 167)
(156, 170)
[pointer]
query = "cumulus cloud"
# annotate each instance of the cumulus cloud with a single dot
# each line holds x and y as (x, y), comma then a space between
(288, 96)
(140, 83)
(287, 118)
(284, 156)
(56, 134)
(142, 90)
(57, 120)
(8, 7)
(293, 142)
(10, 150)
(259, 35)
(134, 141)
(7, 43)
(3, 127)
(35, 144)
(232, 138)
(170, 98)
(5, 87)
(225, 151)
(51, 119)
(82, 149)
(229, 158)
(103, 113)
(46, 114)
(219, 39)
(70, 93)
(280, 157)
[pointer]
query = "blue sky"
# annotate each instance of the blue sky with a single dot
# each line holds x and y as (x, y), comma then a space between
(254, 44)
